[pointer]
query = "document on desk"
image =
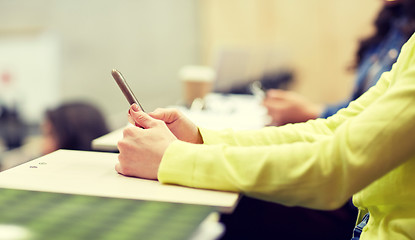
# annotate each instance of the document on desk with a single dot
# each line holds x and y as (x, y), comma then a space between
(93, 174)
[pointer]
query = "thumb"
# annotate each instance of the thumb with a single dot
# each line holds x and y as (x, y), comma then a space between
(141, 118)
(118, 168)
(165, 115)
(276, 94)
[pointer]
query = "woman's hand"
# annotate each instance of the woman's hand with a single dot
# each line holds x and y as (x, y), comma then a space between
(143, 147)
(290, 107)
(179, 125)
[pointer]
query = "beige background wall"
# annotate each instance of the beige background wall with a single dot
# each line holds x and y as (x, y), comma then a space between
(318, 37)
(149, 40)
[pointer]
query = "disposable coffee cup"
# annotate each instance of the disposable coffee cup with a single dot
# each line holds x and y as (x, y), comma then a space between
(197, 82)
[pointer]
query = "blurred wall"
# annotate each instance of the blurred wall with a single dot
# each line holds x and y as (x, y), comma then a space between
(148, 41)
(318, 37)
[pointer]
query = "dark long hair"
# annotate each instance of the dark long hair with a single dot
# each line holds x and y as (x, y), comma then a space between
(383, 23)
(76, 124)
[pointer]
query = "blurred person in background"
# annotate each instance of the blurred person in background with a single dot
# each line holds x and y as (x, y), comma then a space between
(376, 54)
(72, 126)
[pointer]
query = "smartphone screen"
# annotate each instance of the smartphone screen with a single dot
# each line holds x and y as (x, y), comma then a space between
(126, 90)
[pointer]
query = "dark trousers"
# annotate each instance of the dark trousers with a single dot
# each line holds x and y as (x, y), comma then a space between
(257, 219)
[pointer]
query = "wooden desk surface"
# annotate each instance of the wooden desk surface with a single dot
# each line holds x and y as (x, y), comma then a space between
(108, 142)
(93, 173)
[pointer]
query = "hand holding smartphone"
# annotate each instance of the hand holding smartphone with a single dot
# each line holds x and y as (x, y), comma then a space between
(126, 90)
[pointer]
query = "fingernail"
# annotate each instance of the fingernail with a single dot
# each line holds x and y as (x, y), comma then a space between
(135, 107)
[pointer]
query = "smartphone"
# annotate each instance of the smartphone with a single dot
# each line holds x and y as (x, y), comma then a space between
(126, 90)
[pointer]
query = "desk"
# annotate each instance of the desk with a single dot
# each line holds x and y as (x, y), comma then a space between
(41, 215)
(93, 174)
(108, 142)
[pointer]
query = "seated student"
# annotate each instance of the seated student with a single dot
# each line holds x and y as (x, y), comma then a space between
(73, 126)
(376, 54)
(365, 150)
(252, 217)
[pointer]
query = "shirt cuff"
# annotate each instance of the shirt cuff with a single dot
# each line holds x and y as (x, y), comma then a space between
(174, 168)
